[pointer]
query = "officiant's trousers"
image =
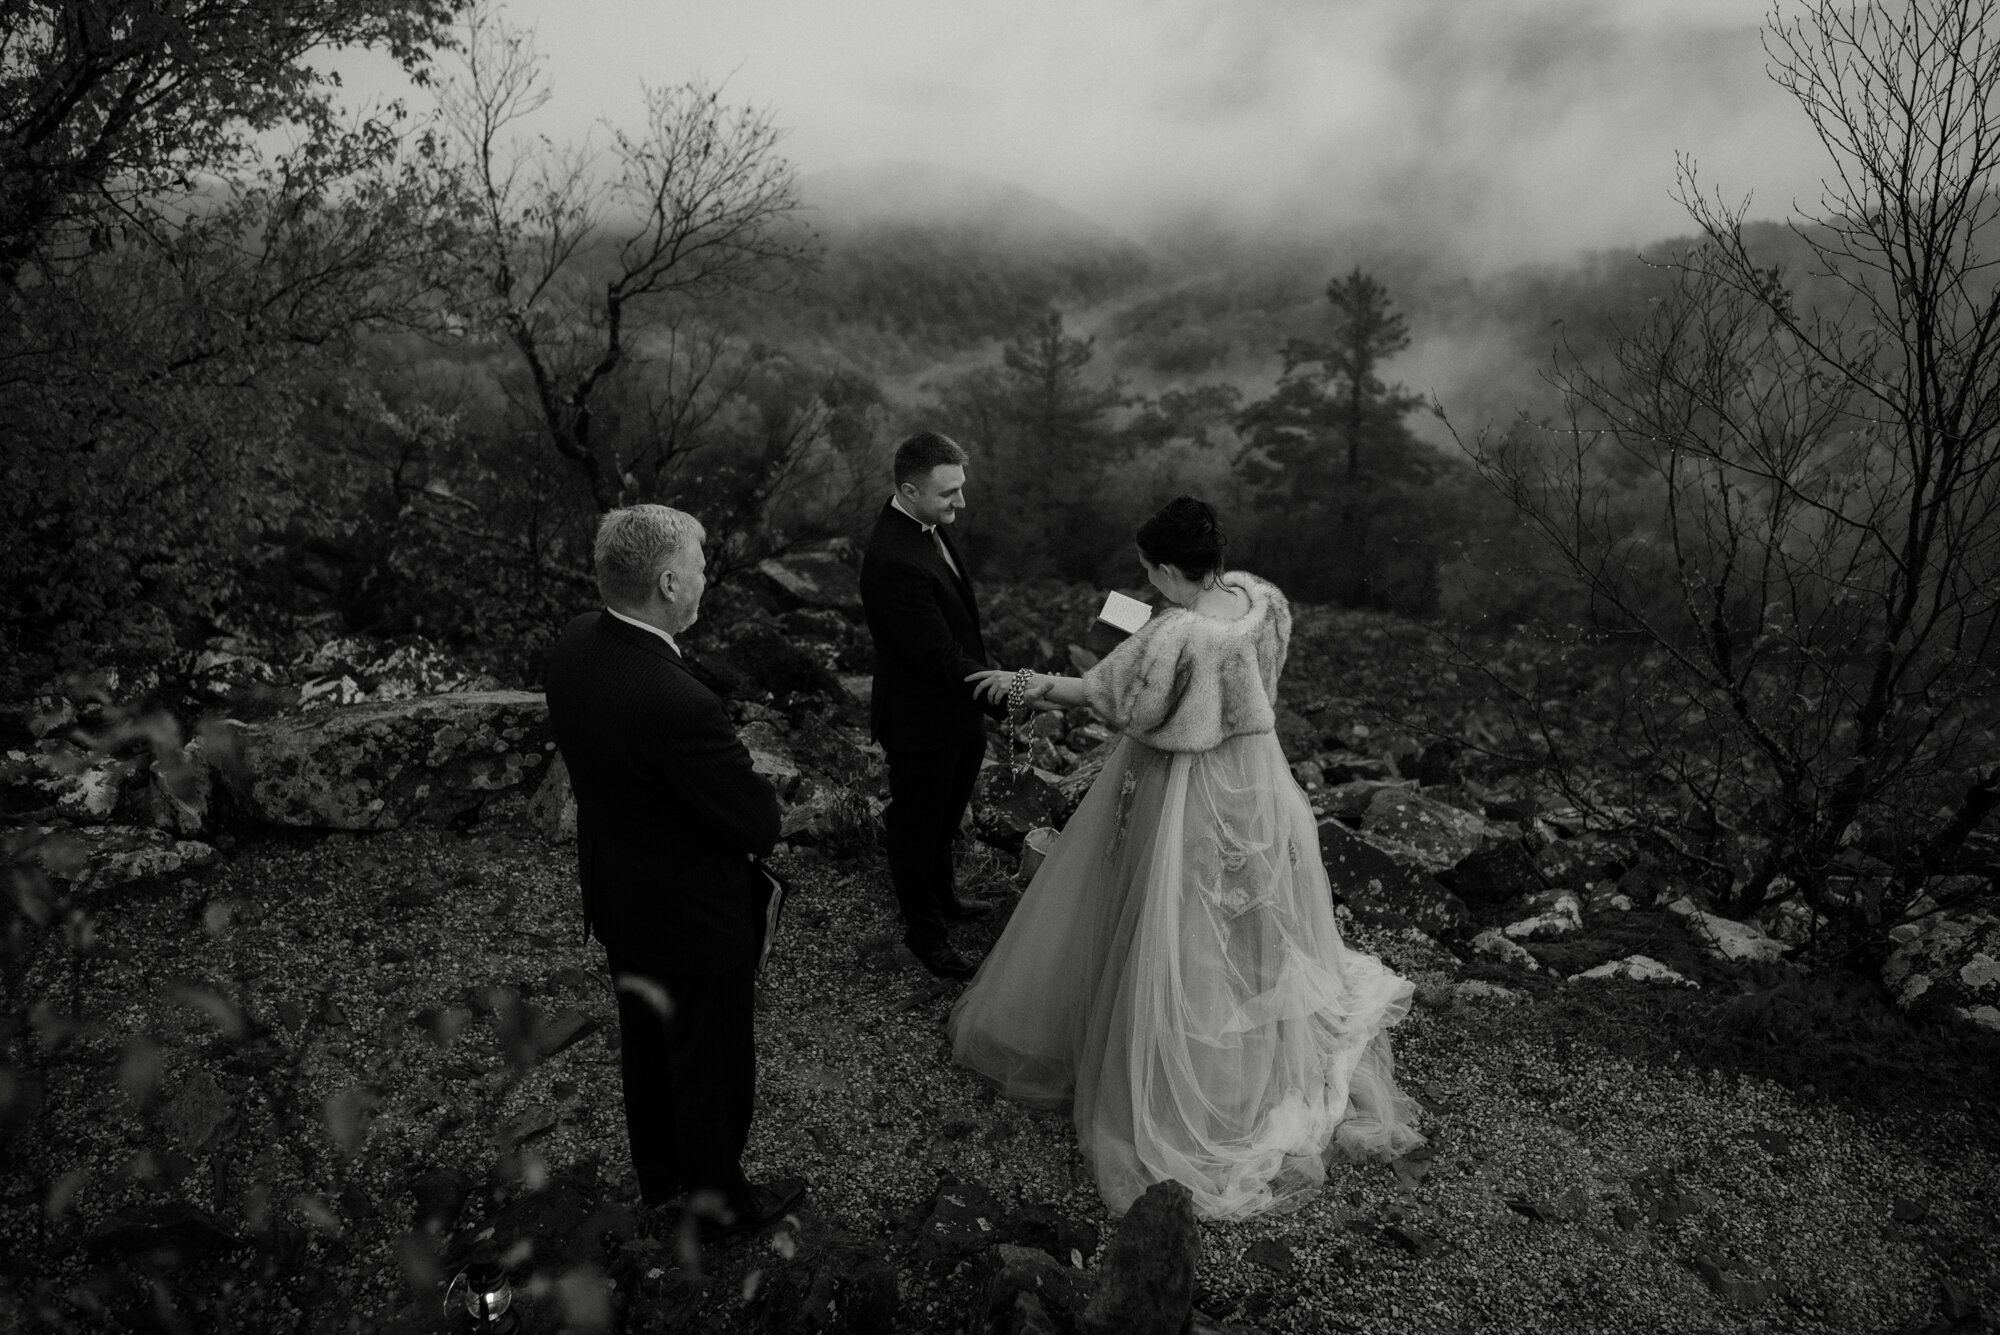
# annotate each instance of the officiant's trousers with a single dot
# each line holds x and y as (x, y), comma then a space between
(928, 793)
(690, 1078)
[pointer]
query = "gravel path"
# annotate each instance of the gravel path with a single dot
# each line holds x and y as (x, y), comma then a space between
(1570, 1187)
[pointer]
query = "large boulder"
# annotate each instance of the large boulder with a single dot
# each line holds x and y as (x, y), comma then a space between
(1382, 891)
(383, 765)
(1421, 829)
(818, 579)
(1948, 958)
(1145, 1285)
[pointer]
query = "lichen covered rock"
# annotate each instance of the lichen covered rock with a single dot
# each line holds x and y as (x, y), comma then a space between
(382, 765)
(1948, 958)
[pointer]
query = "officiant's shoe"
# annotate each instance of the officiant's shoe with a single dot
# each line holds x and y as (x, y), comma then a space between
(943, 961)
(769, 1203)
(965, 910)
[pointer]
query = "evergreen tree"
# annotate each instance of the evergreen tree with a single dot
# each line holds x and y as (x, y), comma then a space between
(1329, 452)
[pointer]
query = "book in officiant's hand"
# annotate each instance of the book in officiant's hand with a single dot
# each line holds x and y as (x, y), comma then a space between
(1118, 618)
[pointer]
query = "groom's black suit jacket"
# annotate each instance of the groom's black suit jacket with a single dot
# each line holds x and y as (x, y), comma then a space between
(668, 809)
(925, 623)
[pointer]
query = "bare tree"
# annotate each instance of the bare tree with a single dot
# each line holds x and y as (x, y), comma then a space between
(577, 256)
(1814, 576)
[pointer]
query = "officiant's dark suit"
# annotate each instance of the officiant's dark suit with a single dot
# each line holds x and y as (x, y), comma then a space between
(924, 618)
(669, 816)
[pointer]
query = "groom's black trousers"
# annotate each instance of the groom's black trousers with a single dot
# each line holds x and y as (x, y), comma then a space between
(928, 793)
(690, 1079)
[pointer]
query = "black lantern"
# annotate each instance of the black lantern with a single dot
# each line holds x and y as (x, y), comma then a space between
(489, 1298)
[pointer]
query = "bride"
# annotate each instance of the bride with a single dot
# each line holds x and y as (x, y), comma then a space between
(1174, 970)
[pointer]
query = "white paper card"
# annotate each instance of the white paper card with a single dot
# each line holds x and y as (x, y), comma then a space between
(1127, 614)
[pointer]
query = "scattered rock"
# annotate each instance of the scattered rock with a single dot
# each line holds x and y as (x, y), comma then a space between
(1004, 809)
(1027, 1290)
(354, 670)
(1741, 1291)
(97, 857)
(1345, 767)
(1145, 1285)
(196, 1111)
(1410, 1238)
(1382, 891)
(1732, 940)
(1496, 945)
(1560, 915)
(1271, 1254)
(964, 1220)
(1948, 958)
(1638, 969)
(770, 757)
(1576, 861)
(777, 662)
(1478, 989)
(1497, 875)
(1349, 799)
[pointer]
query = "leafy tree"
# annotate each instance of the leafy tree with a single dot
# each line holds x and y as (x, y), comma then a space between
(1814, 583)
(105, 107)
(1330, 454)
(164, 294)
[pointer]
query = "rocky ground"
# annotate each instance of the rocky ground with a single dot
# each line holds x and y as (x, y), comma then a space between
(322, 1068)
(298, 1022)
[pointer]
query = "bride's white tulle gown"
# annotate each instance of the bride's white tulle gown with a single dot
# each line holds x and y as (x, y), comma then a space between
(1174, 969)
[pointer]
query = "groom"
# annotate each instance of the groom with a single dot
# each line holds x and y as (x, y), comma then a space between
(917, 595)
(669, 815)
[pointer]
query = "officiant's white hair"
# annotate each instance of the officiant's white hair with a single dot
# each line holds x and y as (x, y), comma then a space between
(634, 545)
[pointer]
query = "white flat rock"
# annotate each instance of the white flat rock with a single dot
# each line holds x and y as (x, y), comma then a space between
(1639, 969)
(1728, 938)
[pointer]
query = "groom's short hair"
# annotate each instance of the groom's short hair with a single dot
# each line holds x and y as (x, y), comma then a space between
(917, 456)
(634, 545)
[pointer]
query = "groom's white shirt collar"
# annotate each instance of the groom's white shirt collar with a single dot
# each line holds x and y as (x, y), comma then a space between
(655, 630)
(897, 502)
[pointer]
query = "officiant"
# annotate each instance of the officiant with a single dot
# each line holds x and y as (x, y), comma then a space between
(670, 822)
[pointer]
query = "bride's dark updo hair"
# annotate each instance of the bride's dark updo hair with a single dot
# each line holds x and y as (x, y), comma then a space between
(1184, 535)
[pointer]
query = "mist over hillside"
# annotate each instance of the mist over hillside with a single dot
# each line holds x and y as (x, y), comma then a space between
(928, 270)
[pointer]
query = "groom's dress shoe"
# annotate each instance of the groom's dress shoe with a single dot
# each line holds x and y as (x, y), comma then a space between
(965, 910)
(769, 1203)
(945, 962)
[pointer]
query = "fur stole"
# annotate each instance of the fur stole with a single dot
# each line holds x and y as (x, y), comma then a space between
(1188, 682)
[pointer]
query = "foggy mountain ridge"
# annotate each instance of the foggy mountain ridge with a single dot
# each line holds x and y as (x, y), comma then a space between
(927, 271)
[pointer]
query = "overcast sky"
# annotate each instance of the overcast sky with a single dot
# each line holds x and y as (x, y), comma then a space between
(1511, 129)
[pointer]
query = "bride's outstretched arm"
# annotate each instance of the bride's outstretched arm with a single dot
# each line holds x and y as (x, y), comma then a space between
(1042, 688)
